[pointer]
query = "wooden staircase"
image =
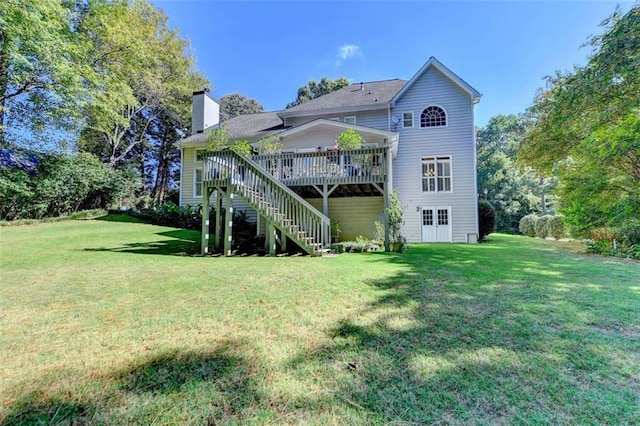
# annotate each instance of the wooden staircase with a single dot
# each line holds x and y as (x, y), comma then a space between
(279, 205)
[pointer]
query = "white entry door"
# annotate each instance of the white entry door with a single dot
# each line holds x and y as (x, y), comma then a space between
(436, 225)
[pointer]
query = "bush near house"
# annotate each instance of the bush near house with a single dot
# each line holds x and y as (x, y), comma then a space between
(486, 218)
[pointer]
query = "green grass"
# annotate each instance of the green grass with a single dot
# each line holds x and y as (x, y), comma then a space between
(114, 322)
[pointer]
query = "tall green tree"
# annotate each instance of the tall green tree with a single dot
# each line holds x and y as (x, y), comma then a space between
(148, 75)
(313, 89)
(513, 191)
(587, 129)
(43, 65)
(236, 104)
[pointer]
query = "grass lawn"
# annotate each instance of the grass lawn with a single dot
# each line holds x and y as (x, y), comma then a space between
(109, 322)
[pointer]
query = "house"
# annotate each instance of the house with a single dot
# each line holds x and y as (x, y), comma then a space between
(419, 138)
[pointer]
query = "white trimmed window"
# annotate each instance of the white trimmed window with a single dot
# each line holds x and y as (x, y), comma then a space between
(436, 174)
(433, 116)
(407, 119)
(350, 119)
(197, 182)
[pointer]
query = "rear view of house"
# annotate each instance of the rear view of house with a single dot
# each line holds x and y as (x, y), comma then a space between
(419, 138)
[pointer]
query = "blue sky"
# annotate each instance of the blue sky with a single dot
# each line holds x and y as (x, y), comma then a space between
(266, 50)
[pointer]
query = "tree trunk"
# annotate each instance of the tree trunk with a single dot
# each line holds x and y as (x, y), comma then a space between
(543, 200)
(164, 165)
(4, 81)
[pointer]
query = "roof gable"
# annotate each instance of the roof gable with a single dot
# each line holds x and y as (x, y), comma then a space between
(326, 122)
(433, 62)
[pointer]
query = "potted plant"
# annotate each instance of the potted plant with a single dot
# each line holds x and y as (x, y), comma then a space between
(351, 140)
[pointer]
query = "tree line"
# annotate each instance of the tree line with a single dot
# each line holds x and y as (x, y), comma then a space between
(576, 150)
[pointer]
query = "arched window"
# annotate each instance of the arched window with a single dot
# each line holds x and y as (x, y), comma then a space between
(433, 116)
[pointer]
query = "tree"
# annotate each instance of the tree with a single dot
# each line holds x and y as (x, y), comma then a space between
(350, 139)
(587, 128)
(42, 66)
(513, 191)
(313, 89)
(148, 75)
(237, 104)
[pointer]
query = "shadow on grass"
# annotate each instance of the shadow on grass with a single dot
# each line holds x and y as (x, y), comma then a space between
(462, 337)
(217, 385)
(119, 217)
(182, 242)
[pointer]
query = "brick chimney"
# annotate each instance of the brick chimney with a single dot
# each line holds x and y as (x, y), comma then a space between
(205, 113)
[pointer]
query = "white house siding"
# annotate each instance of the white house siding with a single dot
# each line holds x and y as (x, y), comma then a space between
(320, 136)
(456, 140)
(376, 119)
(356, 214)
(187, 186)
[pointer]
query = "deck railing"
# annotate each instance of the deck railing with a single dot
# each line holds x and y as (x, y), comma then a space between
(288, 212)
(336, 167)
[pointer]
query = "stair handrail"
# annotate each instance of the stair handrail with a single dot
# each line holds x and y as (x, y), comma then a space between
(227, 172)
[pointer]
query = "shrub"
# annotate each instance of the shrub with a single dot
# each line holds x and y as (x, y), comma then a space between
(541, 226)
(629, 233)
(171, 214)
(378, 234)
(555, 227)
(58, 185)
(604, 234)
(528, 225)
(486, 219)
(395, 221)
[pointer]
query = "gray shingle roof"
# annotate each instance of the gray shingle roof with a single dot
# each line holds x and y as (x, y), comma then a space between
(372, 93)
(251, 127)
(255, 126)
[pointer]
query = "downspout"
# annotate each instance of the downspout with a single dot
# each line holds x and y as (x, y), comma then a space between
(181, 201)
(475, 166)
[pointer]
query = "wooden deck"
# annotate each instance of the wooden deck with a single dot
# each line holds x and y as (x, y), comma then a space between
(266, 183)
(328, 167)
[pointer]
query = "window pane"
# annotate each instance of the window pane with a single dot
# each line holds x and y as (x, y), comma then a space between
(433, 116)
(407, 119)
(197, 190)
(427, 217)
(443, 217)
(447, 184)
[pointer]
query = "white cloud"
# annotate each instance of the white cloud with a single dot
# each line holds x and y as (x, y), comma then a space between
(347, 51)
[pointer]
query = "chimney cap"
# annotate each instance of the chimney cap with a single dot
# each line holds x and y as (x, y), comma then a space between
(200, 92)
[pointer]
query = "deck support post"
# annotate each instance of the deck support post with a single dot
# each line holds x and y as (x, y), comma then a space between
(387, 236)
(283, 241)
(218, 230)
(325, 199)
(388, 187)
(228, 234)
(272, 239)
(204, 241)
